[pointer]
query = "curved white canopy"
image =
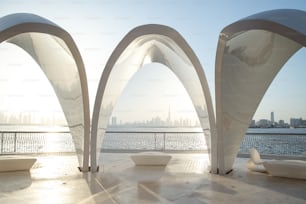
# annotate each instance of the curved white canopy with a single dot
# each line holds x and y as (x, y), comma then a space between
(250, 53)
(59, 58)
(163, 45)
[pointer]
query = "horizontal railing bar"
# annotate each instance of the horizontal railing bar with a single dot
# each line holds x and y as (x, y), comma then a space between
(274, 133)
(159, 132)
(136, 132)
(25, 131)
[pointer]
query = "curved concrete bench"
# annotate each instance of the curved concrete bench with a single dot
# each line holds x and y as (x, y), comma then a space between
(286, 168)
(281, 168)
(151, 158)
(16, 163)
(255, 162)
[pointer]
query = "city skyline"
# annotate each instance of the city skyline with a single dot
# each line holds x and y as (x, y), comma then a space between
(280, 123)
(58, 119)
(98, 26)
(156, 121)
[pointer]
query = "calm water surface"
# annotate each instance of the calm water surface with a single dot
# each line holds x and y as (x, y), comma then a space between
(58, 139)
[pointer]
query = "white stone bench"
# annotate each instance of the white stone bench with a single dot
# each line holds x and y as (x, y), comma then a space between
(286, 168)
(16, 163)
(281, 168)
(255, 162)
(151, 159)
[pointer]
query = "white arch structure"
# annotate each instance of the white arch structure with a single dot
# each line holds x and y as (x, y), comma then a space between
(154, 43)
(59, 58)
(250, 53)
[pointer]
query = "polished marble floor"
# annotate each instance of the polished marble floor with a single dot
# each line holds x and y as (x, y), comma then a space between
(56, 179)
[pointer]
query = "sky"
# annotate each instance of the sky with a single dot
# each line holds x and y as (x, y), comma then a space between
(98, 26)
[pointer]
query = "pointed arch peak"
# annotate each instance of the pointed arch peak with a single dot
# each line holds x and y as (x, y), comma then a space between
(153, 43)
(65, 70)
(250, 53)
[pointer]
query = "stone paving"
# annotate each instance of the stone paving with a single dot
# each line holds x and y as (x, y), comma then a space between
(56, 179)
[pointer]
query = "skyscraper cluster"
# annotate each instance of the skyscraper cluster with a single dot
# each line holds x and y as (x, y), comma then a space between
(265, 123)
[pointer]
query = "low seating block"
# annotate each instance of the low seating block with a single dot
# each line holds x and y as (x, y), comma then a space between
(281, 168)
(16, 163)
(151, 158)
(286, 168)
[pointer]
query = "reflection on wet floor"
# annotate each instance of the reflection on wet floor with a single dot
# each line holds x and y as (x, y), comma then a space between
(56, 179)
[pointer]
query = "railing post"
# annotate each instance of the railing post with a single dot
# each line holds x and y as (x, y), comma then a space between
(164, 141)
(15, 139)
(1, 142)
(155, 141)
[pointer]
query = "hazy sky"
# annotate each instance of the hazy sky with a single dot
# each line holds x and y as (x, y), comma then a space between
(98, 26)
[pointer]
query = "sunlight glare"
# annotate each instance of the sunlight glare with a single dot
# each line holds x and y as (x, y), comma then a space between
(24, 89)
(147, 60)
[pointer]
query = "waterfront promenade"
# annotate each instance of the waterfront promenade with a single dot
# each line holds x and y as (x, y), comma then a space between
(55, 179)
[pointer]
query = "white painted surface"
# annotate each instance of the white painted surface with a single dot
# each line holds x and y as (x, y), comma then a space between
(250, 53)
(151, 159)
(160, 44)
(16, 163)
(56, 53)
(286, 168)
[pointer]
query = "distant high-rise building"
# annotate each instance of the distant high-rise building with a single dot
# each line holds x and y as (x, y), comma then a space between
(114, 121)
(296, 122)
(263, 123)
(252, 124)
(281, 123)
(169, 116)
(272, 117)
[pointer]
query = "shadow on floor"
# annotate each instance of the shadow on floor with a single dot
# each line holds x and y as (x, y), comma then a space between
(13, 181)
(287, 186)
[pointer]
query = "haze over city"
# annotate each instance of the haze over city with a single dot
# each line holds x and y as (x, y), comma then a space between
(98, 26)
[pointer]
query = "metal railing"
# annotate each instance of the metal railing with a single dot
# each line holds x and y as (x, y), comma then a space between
(19, 142)
(279, 144)
(61, 141)
(154, 140)
(35, 142)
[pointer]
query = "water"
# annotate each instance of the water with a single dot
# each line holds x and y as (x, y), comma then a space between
(185, 139)
(58, 139)
(276, 141)
(275, 144)
(35, 139)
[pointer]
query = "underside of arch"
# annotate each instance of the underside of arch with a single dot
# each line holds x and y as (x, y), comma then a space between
(163, 45)
(56, 53)
(250, 54)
